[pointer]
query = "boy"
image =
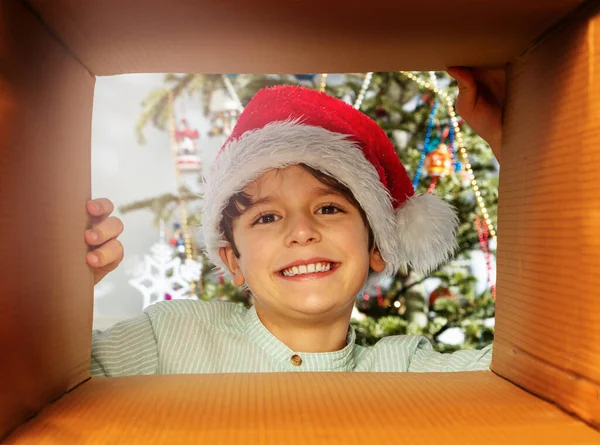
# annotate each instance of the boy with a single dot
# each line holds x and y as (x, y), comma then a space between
(306, 203)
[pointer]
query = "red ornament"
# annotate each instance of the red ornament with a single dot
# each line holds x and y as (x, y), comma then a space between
(187, 146)
(186, 132)
(441, 292)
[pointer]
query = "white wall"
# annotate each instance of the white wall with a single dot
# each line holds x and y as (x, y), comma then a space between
(124, 171)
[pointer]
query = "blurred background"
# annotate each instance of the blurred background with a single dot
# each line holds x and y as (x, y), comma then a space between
(154, 134)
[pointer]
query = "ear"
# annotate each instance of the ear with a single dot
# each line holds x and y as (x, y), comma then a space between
(228, 257)
(375, 261)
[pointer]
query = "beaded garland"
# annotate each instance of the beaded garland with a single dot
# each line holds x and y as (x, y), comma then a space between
(461, 146)
(425, 145)
(485, 247)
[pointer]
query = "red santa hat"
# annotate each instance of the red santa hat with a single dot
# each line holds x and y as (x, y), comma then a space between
(290, 125)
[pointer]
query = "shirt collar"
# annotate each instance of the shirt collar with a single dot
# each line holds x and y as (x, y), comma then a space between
(342, 360)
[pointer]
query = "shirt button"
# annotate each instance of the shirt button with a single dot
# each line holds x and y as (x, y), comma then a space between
(296, 360)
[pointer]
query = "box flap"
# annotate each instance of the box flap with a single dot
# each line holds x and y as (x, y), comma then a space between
(46, 286)
(548, 310)
(304, 408)
(267, 36)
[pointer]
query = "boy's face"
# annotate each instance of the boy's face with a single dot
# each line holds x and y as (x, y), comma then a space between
(298, 223)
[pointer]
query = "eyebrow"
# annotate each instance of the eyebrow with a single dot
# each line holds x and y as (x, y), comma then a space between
(325, 191)
(318, 191)
(265, 200)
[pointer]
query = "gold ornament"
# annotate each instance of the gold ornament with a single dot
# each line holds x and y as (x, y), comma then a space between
(438, 162)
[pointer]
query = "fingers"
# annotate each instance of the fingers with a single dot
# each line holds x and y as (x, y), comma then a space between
(480, 101)
(106, 257)
(103, 231)
(100, 207)
(467, 87)
(463, 75)
(108, 251)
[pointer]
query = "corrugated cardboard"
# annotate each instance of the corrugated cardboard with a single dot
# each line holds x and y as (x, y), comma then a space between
(46, 288)
(304, 408)
(50, 52)
(268, 36)
(548, 313)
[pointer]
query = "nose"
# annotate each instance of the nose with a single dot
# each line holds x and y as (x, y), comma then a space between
(302, 229)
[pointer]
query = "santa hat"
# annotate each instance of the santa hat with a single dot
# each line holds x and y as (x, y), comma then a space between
(289, 125)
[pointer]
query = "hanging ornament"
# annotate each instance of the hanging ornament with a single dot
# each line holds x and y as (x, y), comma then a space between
(187, 158)
(441, 292)
(223, 115)
(177, 239)
(163, 276)
(438, 163)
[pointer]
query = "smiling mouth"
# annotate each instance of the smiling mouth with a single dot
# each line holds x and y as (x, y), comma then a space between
(309, 269)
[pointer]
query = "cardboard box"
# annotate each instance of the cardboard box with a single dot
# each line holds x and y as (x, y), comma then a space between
(544, 384)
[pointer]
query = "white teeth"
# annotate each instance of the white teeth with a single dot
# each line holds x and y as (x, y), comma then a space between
(308, 268)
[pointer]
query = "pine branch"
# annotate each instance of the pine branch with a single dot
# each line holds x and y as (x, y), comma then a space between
(155, 108)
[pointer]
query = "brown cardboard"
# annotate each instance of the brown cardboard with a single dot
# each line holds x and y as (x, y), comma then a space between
(549, 218)
(50, 52)
(45, 315)
(304, 408)
(268, 36)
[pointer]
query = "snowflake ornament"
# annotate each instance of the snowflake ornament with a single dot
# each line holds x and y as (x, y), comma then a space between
(163, 276)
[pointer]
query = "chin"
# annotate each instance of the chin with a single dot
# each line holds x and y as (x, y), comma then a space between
(315, 305)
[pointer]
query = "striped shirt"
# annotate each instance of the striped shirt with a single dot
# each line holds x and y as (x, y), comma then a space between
(191, 336)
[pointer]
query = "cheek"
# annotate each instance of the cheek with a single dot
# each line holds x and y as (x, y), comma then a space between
(255, 253)
(358, 233)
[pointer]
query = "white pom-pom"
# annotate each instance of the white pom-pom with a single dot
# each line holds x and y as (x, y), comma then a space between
(427, 232)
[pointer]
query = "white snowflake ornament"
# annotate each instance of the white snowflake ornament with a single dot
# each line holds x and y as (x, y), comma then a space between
(162, 276)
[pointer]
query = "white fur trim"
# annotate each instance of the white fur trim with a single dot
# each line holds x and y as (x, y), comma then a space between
(281, 144)
(426, 232)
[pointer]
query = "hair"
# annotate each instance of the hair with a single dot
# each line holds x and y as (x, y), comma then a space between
(240, 201)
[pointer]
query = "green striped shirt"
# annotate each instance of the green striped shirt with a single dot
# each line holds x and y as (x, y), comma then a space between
(190, 336)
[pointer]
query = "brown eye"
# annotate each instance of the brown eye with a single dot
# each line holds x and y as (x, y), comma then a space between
(329, 209)
(267, 219)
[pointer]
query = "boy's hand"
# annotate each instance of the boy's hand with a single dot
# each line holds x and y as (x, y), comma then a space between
(481, 101)
(107, 251)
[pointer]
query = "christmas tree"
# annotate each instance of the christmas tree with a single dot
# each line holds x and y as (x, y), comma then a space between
(418, 122)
